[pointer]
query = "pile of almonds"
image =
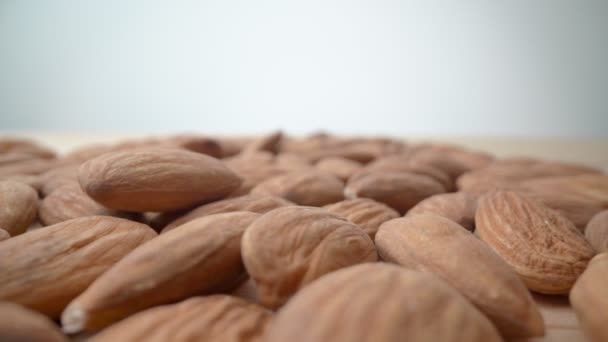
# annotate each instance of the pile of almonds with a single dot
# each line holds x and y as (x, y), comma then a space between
(285, 239)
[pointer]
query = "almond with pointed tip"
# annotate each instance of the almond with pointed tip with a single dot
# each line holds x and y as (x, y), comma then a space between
(364, 212)
(18, 206)
(205, 319)
(545, 249)
(289, 247)
(308, 188)
(155, 179)
(435, 244)
(379, 302)
(201, 257)
(46, 268)
(597, 232)
(457, 206)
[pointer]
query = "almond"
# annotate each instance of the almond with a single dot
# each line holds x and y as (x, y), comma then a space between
(269, 143)
(4, 235)
(588, 297)
(435, 244)
(340, 167)
(289, 247)
(544, 248)
(18, 206)
(155, 179)
(364, 212)
(451, 159)
(214, 318)
(58, 177)
(202, 256)
(379, 302)
(27, 167)
(304, 188)
(597, 232)
(21, 324)
(46, 268)
(458, 206)
(256, 203)
(400, 191)
(24, 145)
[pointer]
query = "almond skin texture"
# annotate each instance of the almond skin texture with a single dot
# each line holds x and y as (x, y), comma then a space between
(544, 248)
(46, 268)
(340, 167)
(364, 212)
(155, 179)
(400, 191)
(18, 206)
(588, 297)
(205, 319)
(379, 302)
(69, 202)
(256, 203)
(597, 232)
(308, 188)
(21, 324)
(431, 243)
(457, 206)
(289, 247)
(201, 257)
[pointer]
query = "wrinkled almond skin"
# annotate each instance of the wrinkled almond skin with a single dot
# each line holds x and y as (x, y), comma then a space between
(18, 206)
(155, 179)
(364, 212)
(256, 203)
(203, 256)
(588, 297)
(400, 191)
(340, 167)
(459, 207)
(308, 188)
(21, 324)
(69, 202)
(435, 244)
(289, 247)
(545, 249)
(379, 302)
(205, 319)
(46, 268)
(597, 232)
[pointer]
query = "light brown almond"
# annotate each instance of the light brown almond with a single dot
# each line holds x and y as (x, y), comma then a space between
(289, 247)
(364, 212)
(304, 188)
(379, 302)
(46, 268)
(4, 235)
(435, 244)
(588, 297)
(18, 206)
(205, 319)
(459, 207)
(57, 177)
(400, 191)
(269, 143)
(24, 145)
(597, 232)
(155, 179)
(256, 203)
(203, 256)
(544, 248)
(19, 324)
(340, 167)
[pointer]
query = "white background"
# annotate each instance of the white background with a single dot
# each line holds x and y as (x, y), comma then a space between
(469, 67)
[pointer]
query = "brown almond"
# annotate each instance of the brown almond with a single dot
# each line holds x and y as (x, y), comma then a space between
(597, 232)
(46, 268)
(205, 319)
(289, 247)
(18, 206)
(256, 203)
(25, 145)
(435, 244)
(364, 212)
(588, 297)
(269, 143)
(21, 324)
(203, 256)
(155, 179)
(379, 302)
(457, 206)
(308, 188)
(544, 248)
(400, 191)
(340, 167)
(58, 177)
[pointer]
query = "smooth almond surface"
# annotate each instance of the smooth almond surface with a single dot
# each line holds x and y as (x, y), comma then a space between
(459, 207)
(597, 232)
(21, 324)
(18, 206)
(364, 212)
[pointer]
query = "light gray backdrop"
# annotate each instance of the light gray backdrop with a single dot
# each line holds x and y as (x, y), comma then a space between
(479, 67)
